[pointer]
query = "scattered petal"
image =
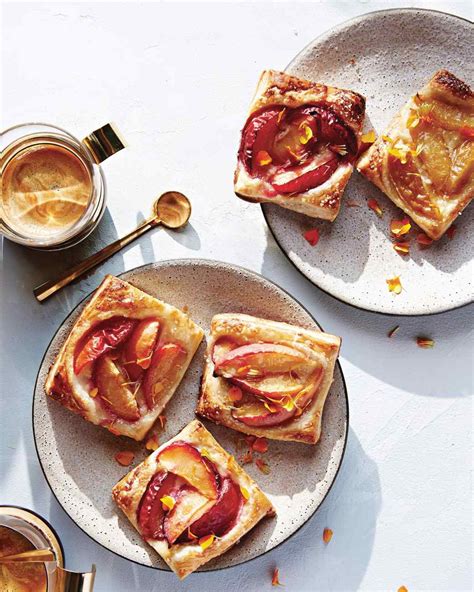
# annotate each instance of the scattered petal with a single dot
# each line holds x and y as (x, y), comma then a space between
(247, 458)
(312, 236)
(423, 240)
(369, 137)
(400, 227)
(191, 535)
(263, 158)
(276, 577)
(167, 502)
(271, 408)
(235, 394)
(402, 247)
(162, 419)
(394, 285)
(307, 133)
(93, 392)
(350, 203)
(204, 452)
(425, 342)
(403, 589)
(280, 115)
(374, 205)
(206, 541)
(393, 331)
(152, 443)
(262, 466)
(399, 153)
(413, 120)
(245, 493)
(327, 535)
(340, 149)
(260, 445)
(451, 231)
(250, 439)
(125, 457)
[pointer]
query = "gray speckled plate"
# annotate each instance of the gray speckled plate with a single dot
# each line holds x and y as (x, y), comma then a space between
(78, 458)
(386, 56)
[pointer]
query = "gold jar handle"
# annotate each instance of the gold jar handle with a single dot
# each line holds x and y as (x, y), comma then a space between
(69, 581)
(104, 142)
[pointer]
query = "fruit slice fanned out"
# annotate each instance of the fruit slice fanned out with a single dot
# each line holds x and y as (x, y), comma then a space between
(255, 128)
(258, 359)
(151, 514)
(113, 390)
(105, 337)
(186, 461)
(222, 347)
(272, 385)
(190, 506)
(166, 363)
(139, 347)
(308, 180)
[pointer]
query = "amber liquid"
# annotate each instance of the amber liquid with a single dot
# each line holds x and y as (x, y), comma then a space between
(19, 577)
(46, 188)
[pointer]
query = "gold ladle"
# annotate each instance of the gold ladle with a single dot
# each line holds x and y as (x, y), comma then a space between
(172, 209)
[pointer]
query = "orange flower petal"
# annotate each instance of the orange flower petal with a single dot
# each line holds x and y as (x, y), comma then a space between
(394, 285)
(451, 231)
(403, 589)
(402, 247)
(125, 457)
(204, 452)
(424, 342)
(260, 445)
(400, 227)
(312, 236)
(167, 502)
(307, 133)
(191, 535)
(374, 205)
(423, 240)
(276, 577)
(235, 394)
(245, 493)
(93, 392)
(262, 466)
(162, 419)
(369, 137)
(263, 158)
(393, 331)
(206, 541)
(247, 458)
(152, 443)
(327, 535)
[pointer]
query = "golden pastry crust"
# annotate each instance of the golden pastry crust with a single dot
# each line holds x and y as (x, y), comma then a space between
(116, 298)
(214, 402)
(424, 162)
(184, 558)
(278, 88)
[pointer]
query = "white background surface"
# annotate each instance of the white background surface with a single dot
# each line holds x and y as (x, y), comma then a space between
(177, 79)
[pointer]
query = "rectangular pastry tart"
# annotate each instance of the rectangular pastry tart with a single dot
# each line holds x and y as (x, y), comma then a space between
(424, 162)
(124, 358)
(299, 144)
(190, 500)
(267, 378)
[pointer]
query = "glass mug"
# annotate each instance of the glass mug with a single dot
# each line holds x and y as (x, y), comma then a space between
(53, 188)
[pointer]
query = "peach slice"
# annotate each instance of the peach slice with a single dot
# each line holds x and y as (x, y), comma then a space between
(222, 347)
(151, 514)
(255, 414)
(273, 385)
(111, 384)
(139, 347)
(190, 506)
(184, 460)
(257, 359)
(166, 363)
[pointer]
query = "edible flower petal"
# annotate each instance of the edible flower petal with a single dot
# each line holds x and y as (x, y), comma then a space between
(167, 502)
(262, 466)
(394, 285)
(312, 236)
(423, 240)
(402, 247)
(403, 589)
(263, 158)
(307, 133)
(245, 493)
(206, 541)
(162, 419)
(451, 231)
(260, 445)
(204, 452)
(235, 394)
(374, 205)
(369, 137)
(125, 457)
(152, 443)
(400, 227)
(424, 342)
(327, 535)
(93, 392)
(276, 577)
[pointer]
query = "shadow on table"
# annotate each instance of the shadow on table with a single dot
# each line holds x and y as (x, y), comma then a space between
(397, 360)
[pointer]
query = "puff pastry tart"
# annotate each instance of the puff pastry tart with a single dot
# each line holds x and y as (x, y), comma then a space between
(267, 378)
(190, 500)
(425, 160)
(124, 358)
(299, 144)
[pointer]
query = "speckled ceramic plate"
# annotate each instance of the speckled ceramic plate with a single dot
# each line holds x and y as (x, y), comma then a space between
(386, 56)
(78, 458)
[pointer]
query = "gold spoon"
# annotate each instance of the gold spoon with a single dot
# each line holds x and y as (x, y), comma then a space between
(29, 556)
(172, 209)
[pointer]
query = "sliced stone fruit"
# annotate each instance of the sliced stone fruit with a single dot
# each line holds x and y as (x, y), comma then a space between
(113, 390)
(189, 506)
(150, 511)
(166, 363)
(186, 461)
(139, 347)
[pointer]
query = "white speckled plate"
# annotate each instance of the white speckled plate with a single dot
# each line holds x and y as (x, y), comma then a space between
(78, 458)
(386, 56)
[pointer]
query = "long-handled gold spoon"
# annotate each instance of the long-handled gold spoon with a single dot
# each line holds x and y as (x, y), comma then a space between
(172, 209)
(34, 555)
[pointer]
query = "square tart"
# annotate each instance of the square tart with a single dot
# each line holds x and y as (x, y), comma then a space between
(123, 359)
(192, 458)
(267, 378)
(424, 162)
(299, 144)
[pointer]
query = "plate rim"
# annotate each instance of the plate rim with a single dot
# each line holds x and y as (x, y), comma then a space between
(215, 263)
(320, 38)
